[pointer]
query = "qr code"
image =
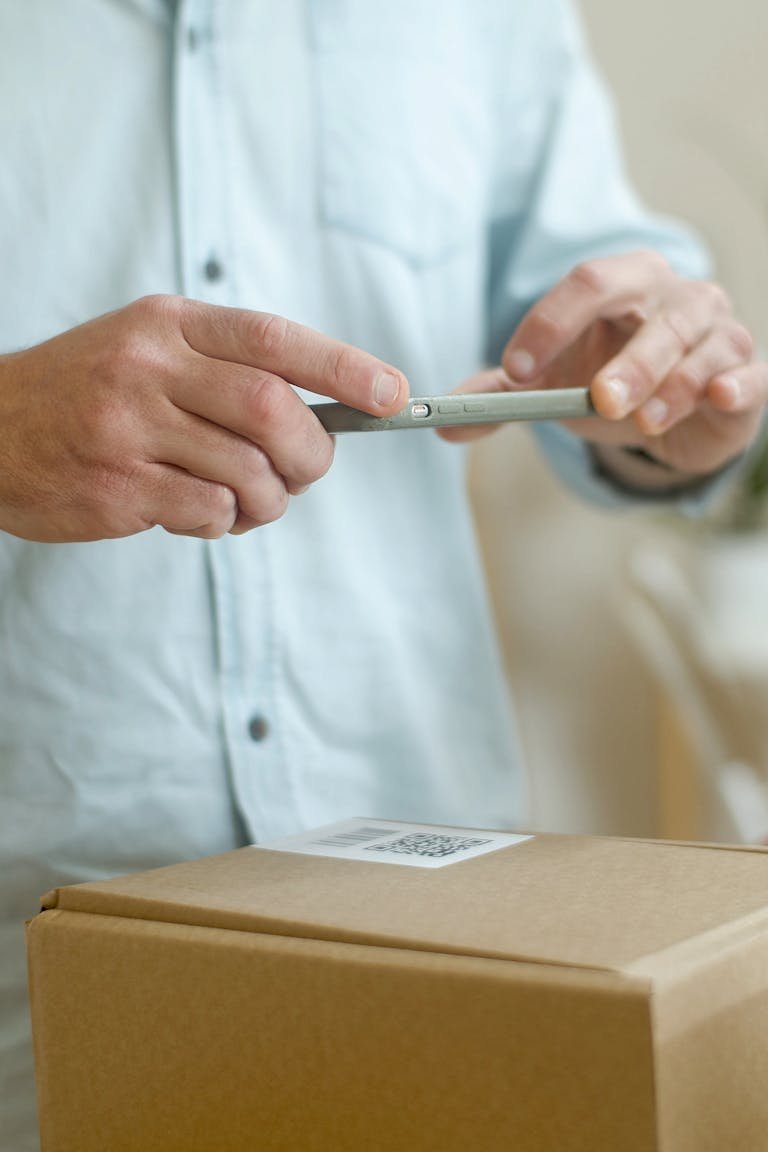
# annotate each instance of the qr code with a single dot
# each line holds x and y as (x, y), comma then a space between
(428, 844)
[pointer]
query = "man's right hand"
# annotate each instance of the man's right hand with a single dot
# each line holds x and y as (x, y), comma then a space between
(172, 412)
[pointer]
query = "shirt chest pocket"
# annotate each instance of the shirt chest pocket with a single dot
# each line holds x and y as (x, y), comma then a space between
(402, 152)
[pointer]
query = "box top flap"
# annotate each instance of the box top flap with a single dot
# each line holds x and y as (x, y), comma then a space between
(590, 902)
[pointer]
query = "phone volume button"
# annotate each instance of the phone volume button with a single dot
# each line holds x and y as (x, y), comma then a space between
(474, 406)
(449, 407)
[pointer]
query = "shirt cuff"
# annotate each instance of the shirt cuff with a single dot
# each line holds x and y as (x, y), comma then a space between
(573, 461)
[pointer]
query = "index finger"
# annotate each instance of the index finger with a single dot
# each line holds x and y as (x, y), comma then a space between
(599, 289)
(298, 354)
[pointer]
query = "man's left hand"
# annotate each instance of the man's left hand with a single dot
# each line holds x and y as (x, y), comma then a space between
(669, 367)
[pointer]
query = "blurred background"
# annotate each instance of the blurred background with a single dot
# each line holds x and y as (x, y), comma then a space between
(637, 645)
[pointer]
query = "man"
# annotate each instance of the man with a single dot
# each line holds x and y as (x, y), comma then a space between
(271, 202)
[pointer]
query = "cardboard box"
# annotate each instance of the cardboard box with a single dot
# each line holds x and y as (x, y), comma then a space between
(560, 994)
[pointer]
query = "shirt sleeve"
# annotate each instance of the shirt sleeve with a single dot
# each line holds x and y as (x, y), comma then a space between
(579, 204)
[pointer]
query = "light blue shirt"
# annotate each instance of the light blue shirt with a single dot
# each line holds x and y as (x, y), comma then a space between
(406, 176)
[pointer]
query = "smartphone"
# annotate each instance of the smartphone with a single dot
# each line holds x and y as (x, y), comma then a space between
(457, 409)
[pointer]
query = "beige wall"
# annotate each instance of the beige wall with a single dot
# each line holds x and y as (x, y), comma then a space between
(691, 80)
(691, 83)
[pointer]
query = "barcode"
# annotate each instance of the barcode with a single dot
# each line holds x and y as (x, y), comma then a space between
(393, 842)
(354, 837)
(428, 844)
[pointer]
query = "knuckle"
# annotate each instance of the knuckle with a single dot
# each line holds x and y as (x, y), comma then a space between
(323, 458)
(256, 465)
(681, 327)
(128, 376)
(589, 276)
(123, 354)
(133, 356)
(111, 499)
(545, 326)
(263, 496)
(268, 506)
(157, 308)
(266, 399)
(343, 369)
(277, 506)
(641, 371)
(134, 372)
(220, 506)
(115, 484)
(686, 381)
(191, 506)
(105, 428)
(655, 261)
(316, 459)
(271, 334)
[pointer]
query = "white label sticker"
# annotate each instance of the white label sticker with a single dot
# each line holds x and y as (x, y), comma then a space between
(388, 842)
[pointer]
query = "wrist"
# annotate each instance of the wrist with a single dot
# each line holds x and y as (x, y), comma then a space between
(635, 469)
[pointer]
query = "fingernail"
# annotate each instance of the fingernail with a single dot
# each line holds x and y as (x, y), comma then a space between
(520, 364)
(731, 387)
(385, 388)
(618, 390)
(655, 412)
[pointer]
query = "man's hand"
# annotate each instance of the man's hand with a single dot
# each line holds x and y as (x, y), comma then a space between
(669, 367)
(172, 412)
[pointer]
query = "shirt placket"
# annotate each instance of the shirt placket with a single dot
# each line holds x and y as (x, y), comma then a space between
(238, 570)
(206, 259)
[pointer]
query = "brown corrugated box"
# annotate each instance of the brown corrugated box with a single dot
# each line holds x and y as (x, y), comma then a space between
(562, 994)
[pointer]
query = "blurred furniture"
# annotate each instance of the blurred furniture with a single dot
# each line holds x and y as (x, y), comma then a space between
(699, 614)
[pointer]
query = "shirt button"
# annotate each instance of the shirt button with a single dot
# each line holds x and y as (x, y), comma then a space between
(193, 39)
(213, 269)
(258, 728)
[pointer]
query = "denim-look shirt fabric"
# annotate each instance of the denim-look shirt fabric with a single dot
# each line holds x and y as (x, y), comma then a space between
(406, 176)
